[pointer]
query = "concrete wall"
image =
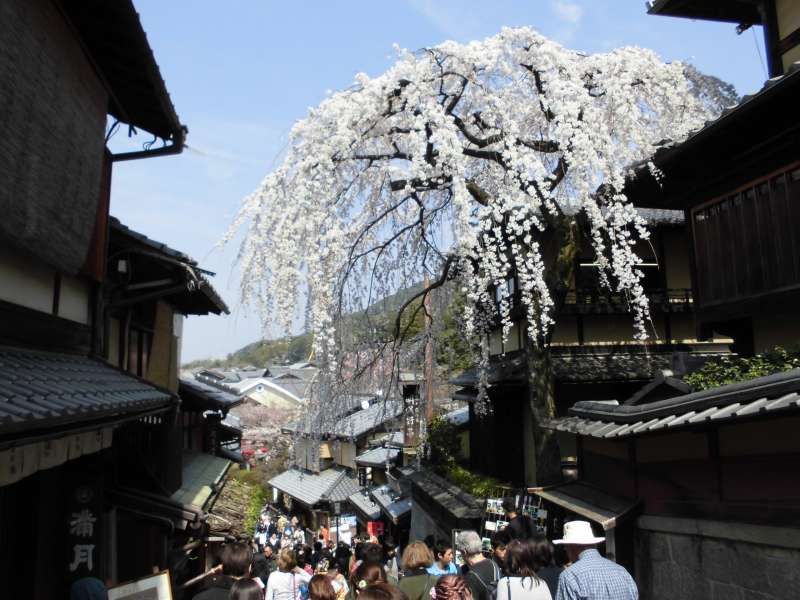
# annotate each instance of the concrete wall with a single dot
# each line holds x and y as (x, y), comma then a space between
(423, 525)
(710, 560)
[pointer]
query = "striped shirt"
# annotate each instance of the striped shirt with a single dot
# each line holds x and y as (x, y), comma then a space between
(593, 577)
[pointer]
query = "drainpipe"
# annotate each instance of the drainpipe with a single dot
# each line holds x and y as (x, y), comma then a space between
(178, 142)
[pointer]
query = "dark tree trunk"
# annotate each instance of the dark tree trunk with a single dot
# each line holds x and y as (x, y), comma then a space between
(545, 454)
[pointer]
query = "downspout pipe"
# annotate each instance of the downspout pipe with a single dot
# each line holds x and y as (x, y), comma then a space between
(178, 143)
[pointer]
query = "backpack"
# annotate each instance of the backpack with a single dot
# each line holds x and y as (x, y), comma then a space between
(490, 587)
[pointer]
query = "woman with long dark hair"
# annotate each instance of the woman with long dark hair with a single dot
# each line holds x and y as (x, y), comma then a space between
(245, 589)
(544, 559)
(522, 582)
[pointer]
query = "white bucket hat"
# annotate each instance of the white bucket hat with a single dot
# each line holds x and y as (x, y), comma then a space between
(579, 533)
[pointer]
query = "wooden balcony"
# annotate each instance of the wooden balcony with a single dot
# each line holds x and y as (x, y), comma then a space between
(595, 301)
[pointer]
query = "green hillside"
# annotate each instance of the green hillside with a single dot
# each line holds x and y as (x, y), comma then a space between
(378, 323)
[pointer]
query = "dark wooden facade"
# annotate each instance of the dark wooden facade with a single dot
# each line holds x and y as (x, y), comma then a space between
(755, 232)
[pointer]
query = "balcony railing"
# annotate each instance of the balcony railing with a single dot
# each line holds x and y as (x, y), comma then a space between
(599, 301)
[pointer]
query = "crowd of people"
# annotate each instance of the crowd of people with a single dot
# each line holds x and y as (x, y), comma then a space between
(521, 565)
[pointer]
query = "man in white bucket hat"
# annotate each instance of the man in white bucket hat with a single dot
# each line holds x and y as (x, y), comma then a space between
(591, 577)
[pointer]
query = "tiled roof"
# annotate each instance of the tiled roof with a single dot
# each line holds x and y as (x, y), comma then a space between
(352, 425)
(46, 389)
(343, 489)
(310, 488)
(667, 148)
(365, 505)
(393, 504)
(449, 497)
(194, 392)
(377, 457)
(774, 394)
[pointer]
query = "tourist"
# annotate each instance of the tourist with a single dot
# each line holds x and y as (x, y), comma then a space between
(236, 563)
(521, 581)
(451, 587)
(246, 589)
(391, 560)
(303, 554)
(546, 567)
(591, 577)
(383, 591)
(416, 581)
(483, 573)
(284, 583)
(264, 564)
(366, 574)
(500, 541)
(521, 527)
(320, 588)
(374, 553)
(443, 563)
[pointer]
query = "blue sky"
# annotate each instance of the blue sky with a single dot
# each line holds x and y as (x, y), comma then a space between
(241, 73)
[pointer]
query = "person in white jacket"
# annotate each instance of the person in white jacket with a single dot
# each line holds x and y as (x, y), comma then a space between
(287, 581)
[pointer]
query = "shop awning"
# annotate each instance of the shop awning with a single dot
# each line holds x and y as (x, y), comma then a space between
(202, 475)
(589, 502)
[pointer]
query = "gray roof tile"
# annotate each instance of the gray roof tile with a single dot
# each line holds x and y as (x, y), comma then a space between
(310, 488)
(38, 389)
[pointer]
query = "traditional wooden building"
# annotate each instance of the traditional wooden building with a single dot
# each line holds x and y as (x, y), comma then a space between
(329, 455)
(92, 473)
(696, 491)
(591, 349)
(738, 181)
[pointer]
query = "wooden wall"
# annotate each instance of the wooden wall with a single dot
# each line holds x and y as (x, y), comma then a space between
(741, 471)
(747, 242)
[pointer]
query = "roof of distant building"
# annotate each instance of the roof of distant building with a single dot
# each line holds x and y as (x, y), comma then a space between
(310, 488)
(394, 504)
(378, 457)
(367, 506)
(203, 396)
(355, 422)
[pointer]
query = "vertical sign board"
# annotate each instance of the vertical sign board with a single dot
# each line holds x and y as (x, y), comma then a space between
(84, 535)
(411, 418)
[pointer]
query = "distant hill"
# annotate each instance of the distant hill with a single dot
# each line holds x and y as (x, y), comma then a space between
(298, 347)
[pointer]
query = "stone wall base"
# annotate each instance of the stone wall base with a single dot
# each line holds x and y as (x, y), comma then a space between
(706, 560)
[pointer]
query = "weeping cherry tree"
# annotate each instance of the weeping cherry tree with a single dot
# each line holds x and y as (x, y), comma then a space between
(455, 162)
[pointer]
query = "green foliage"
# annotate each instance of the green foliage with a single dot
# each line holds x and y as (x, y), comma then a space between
(257, 491)
(443, 441)
(452, 347)
(475, 484)
(724, 371)
(444, 448)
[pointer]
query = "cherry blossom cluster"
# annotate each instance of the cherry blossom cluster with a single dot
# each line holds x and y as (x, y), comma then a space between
(463, 157)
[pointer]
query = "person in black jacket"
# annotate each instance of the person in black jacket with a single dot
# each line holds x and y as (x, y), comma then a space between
(521, 527)
(236, 561)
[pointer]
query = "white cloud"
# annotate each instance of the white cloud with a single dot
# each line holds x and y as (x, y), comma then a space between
(567, 11)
